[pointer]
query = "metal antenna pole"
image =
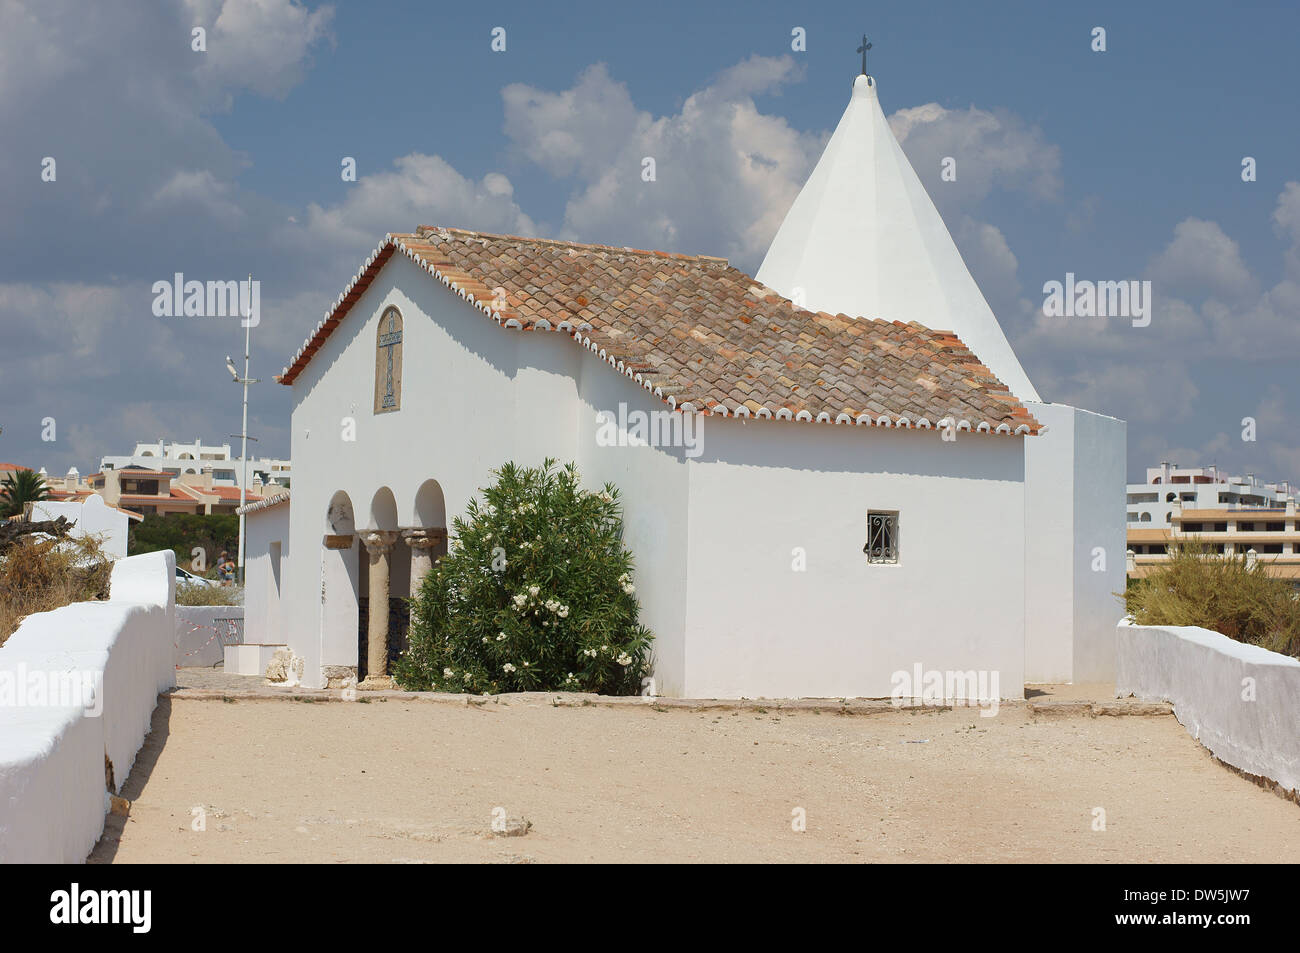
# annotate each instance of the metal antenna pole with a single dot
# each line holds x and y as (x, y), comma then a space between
(243, 434)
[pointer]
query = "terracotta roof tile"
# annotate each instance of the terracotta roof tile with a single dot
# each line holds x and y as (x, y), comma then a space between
(693, 330)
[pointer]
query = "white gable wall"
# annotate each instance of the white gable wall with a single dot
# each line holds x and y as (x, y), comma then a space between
(474, 395)
(90, 517)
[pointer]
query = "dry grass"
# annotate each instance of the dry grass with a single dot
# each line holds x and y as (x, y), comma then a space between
(40, 575)
(189, 594)
(1199, 587)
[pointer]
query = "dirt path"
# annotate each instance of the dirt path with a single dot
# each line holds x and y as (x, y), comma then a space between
(400, 781)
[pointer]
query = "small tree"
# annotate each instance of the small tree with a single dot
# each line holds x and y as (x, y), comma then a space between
(19, 488)
(535, 594)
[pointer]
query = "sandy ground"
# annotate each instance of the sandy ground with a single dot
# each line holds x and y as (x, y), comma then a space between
(393, 780)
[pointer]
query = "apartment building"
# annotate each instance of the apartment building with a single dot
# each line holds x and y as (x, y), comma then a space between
(1230, 515)
(147, 491)
(181, 459)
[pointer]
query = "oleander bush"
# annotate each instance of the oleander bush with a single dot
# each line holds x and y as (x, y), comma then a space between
(1199, 587)
(534, 594)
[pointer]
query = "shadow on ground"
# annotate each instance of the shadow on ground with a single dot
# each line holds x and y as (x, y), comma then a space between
(146, 760)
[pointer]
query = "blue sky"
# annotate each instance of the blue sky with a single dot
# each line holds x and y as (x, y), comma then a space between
(1114, 165)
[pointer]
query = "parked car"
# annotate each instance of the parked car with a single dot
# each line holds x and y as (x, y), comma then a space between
(186, 578)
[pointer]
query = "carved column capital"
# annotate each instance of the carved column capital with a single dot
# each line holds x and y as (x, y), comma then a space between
(423, 537)
(378, 542)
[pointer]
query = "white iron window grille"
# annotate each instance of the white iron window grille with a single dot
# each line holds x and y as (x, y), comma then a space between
(882, 537)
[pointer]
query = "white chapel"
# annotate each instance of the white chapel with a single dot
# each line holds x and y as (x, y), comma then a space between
(873, 484)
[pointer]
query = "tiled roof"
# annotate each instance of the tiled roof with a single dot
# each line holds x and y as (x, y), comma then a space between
(197, 493)
(704, 336)
(263, 504)
(227, 493)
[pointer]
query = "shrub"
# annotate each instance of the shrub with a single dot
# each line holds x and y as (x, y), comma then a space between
(40, 574)
(192, 594)
(535, 594)
(1199, 587)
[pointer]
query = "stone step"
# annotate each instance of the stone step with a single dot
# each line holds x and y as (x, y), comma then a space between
(251, 658)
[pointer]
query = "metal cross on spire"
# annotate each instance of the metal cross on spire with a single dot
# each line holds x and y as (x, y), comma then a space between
(863, 50)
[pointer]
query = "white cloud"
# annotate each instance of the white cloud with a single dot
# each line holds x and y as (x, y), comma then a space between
(725, 173)
(1202, 258)
(992, 150)
(262, 45)
(418, 190)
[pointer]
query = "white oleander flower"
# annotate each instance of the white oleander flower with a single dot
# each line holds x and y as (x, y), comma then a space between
(625, 660)
(520, 600)
(533, 590)
(501, 636)
(629, 588)
(507, 667)
(447, 673)
(563, 612)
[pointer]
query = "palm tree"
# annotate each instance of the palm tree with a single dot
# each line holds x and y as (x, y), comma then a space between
(21, 487)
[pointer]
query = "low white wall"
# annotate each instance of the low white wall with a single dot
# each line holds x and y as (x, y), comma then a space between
(52, 773)
(203, 632)
(1250, 725)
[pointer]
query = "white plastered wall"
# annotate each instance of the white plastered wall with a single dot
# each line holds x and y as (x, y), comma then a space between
(1075, 542)
(264, 579)
(842, 627)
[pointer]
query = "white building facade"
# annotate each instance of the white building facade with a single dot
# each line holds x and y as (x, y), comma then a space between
(1151, 503)
(193, 458)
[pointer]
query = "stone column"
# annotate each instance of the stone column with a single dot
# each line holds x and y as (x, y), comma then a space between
(422, 542)
(379, 545)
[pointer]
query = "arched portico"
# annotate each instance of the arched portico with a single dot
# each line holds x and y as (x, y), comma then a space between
(396, 559)
(379, 540)
(427, 539)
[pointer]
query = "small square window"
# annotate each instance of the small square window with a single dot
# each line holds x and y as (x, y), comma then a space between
(882, 536)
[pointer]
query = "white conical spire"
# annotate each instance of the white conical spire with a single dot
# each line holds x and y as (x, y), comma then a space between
(863, 239)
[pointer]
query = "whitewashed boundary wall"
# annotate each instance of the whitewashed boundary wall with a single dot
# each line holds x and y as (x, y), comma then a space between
(1240, 701)
(203, 632)
(53, 795)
